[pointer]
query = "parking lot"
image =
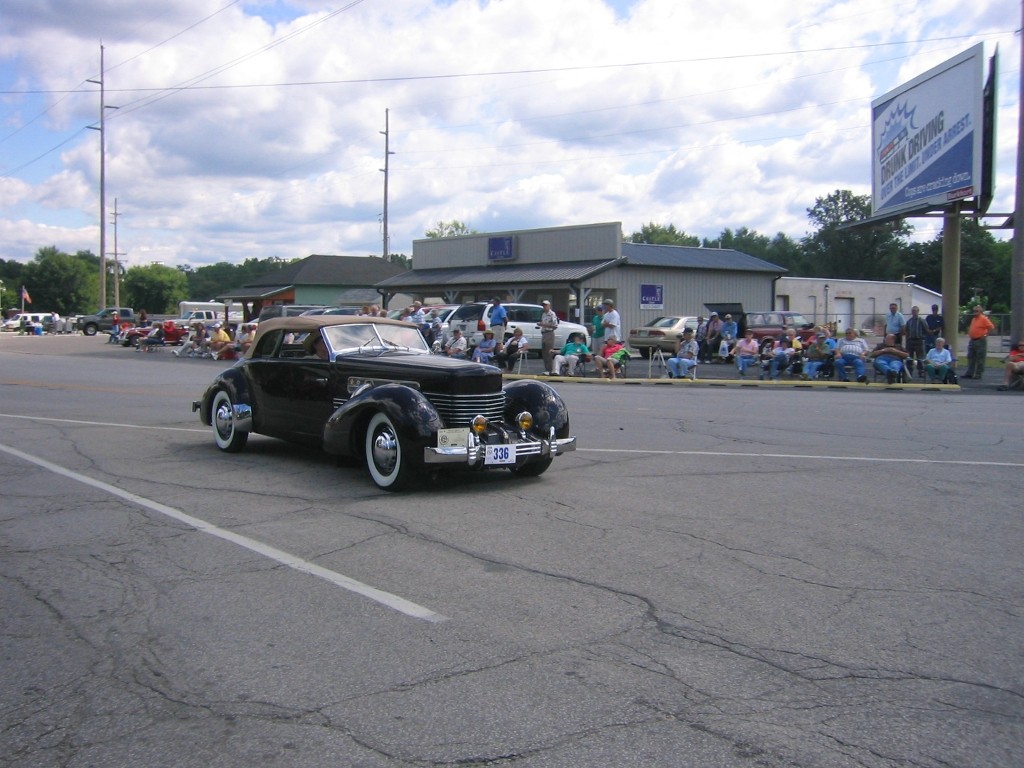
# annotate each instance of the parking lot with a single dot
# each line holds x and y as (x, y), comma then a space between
(720, 575)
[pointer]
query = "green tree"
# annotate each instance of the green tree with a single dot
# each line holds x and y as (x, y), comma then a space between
(781, 249)
(866, 253)
(59, 282)
(659, 234)
(984, 265)
(453, 228)
(155, 288)
(400, 259)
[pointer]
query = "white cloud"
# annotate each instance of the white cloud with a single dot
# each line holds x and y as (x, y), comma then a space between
(641, 111)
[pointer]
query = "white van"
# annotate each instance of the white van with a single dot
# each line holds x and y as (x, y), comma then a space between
(32, 319)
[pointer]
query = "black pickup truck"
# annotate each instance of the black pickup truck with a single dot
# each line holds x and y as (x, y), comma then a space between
(102, 320)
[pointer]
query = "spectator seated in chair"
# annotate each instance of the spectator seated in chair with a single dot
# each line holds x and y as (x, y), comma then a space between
(888, 357)
(610, 360)
(818, 357)
(938, 362)
(486, 348)
(516, 348)
(457, 345)
(567, 359)
(787, 352)
(851, 351)
(155, 338)
(1013, 370)
(747, 352)
(685, 358)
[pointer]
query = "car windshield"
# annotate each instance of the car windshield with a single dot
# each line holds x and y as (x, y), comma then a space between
(795, 320)
(373, 337)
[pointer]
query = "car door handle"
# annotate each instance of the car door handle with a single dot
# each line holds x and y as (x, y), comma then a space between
(321, 380)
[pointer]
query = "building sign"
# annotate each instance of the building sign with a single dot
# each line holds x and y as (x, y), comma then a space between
(652, 296)
(500, 249)
(926, 137)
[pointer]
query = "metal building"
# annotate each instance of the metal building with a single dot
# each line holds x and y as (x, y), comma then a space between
(578, 267)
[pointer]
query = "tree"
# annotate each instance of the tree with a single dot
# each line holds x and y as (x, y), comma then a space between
(781, 249)
(453, 228)
(156, 288)
(854, 254)
(59, 282)
(401, 259)
(658, 234)
(984, 265)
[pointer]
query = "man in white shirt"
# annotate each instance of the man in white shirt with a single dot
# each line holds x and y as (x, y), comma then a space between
(612, 323)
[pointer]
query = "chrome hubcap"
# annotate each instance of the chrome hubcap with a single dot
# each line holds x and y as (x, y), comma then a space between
(385, 451)
(222, 420)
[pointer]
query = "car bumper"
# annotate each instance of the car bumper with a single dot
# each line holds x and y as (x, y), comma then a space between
(474, 454)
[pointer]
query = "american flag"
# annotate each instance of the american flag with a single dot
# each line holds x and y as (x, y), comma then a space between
(24, 295)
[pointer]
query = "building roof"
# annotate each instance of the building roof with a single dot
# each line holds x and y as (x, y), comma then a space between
(682, 256)
(450, 277)
(323, 269)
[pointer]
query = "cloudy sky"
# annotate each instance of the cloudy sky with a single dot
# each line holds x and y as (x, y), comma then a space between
(253, 128)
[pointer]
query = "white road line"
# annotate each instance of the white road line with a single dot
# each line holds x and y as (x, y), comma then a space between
(102, 423)
(386, 599)
(805, 457)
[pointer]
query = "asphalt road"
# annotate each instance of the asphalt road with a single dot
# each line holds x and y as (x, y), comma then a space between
(720, 576)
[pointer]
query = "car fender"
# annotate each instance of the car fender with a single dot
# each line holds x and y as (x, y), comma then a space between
(237, 387)
(548, 409)
(413, 415)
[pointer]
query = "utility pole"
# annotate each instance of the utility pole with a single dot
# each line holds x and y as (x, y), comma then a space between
(103, 185)
(117, 264)
(385, 169)
(103, 179)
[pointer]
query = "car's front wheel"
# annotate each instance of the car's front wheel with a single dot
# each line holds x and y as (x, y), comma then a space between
(225, 431)
(90, 329)
(387, 459)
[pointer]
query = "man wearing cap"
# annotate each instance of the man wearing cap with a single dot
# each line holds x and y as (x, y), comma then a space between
(612, 322)
(548, 323)
(498, 319)
(685, 358)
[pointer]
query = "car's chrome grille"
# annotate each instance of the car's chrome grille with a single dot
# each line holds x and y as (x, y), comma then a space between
(459, 410)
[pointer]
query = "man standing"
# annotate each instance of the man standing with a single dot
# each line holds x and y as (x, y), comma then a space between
(612, 322)
(548, 323)
(701, 337)
(714, 337)
(895, 322)
(977, 343)
(934, 323)
(917, 333)
(499, 320)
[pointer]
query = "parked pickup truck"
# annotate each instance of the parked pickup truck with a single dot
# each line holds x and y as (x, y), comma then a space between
(102, 320)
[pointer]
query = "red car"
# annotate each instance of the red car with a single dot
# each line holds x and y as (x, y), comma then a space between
(172, 334)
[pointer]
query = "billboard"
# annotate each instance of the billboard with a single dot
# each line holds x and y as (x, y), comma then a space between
(926, 149)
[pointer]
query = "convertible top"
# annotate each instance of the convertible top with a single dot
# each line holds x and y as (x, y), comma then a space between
(308, 323)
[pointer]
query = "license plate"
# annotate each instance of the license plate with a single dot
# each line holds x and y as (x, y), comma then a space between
(500, 454)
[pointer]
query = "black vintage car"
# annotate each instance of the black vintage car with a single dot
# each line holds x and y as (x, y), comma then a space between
(369, 387)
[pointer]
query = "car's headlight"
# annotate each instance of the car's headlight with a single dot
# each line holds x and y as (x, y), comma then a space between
(525, 420)
(479, 424)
